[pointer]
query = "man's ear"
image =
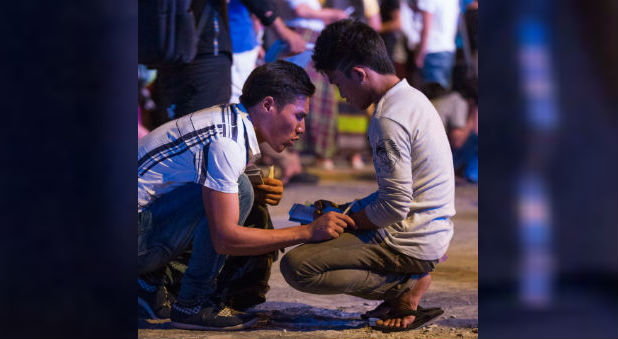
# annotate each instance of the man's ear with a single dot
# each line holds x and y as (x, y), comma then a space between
(268, 103)
(358, 74)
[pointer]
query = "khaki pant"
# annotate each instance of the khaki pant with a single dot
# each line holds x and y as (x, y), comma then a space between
(358, 264)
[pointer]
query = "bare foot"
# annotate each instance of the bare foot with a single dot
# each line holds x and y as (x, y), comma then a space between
(408, 301)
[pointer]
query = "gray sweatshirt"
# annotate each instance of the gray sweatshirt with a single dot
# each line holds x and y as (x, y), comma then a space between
(414, 168)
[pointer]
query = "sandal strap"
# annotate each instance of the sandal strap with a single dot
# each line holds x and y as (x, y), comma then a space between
(403, 313)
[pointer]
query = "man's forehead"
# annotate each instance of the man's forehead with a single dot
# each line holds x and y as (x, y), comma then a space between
(306, 105)
(301, 102)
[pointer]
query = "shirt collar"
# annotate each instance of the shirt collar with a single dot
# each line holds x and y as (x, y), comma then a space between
(402, 84)
(241, 108)
(254, 146)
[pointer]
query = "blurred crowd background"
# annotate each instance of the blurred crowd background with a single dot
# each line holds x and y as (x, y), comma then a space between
(433, 44)
(548, 227)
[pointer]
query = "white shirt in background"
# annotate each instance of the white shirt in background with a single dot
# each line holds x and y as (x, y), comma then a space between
(443, 24)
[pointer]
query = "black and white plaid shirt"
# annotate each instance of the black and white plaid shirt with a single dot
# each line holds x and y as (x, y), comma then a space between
(211, 147)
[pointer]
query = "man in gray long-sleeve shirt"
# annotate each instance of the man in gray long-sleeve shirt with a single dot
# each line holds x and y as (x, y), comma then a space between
(404, 228)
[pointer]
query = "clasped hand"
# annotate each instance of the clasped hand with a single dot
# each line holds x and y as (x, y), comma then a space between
(270, 192)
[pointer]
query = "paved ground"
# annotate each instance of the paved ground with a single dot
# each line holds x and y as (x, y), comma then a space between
(292, 314)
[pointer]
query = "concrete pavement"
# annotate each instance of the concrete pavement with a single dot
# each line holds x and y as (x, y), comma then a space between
(292, 314)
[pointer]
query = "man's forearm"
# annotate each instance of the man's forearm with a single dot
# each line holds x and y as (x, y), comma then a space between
(325, 14)
(250, 241)
(281, 29)
(305, 11)
(238, 240)
(296, 42)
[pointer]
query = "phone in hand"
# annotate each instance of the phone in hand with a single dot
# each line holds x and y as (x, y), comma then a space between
(302, 213)
(255, 175)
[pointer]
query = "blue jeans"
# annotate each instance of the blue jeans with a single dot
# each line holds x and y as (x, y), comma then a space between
(177, 221)
(438, 67)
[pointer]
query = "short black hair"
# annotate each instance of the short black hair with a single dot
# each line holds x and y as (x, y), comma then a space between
(348, 43)
(281, 80)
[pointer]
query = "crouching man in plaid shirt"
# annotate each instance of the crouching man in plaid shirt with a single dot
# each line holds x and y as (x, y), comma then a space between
(193, 194)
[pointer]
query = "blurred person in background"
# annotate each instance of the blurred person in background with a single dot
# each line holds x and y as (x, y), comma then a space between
(459, 116)
(390, 31)
(435, 54)
(367, 11)
(206, 81)
(405, 51)
(401, 34)
(352, 122)
(141, 130)
(145, 78)
(246, 34)
(471, 20)
(308, 17)
(289, 163)
(247, 31)
(465, 68)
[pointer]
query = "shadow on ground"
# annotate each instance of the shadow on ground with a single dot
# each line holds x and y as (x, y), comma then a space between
(285, 315)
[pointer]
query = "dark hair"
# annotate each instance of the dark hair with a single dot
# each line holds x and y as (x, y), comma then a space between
(348, 43)
(281, 80)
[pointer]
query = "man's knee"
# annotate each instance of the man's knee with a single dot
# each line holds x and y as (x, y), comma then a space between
(294, 269)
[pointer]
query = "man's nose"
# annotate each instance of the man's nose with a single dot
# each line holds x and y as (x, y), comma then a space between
(300, 129)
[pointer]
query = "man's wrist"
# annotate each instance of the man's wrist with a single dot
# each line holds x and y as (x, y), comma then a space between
(305, 233)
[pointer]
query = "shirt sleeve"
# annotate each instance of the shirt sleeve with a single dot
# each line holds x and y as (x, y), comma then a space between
(391, 156)
(265, 10)
(224, 162)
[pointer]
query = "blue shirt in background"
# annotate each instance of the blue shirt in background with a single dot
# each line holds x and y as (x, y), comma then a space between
(243, 35)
